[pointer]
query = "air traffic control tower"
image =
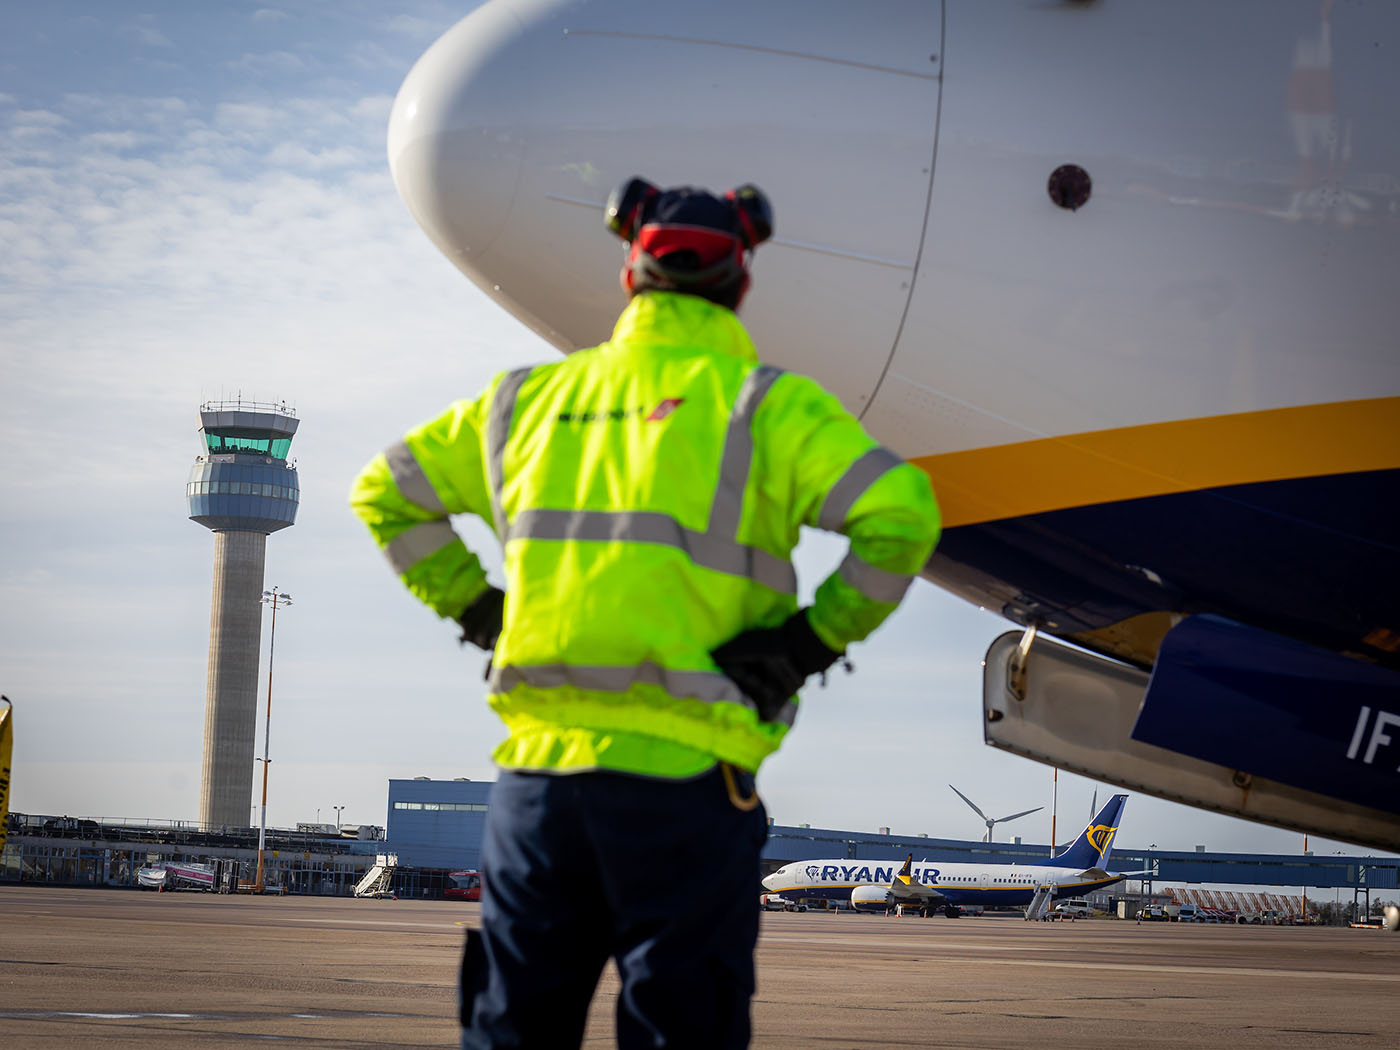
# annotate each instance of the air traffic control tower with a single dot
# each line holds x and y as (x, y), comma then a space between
(243, 488)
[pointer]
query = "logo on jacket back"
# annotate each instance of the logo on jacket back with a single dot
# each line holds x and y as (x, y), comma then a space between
(664, 409)
(619, 415)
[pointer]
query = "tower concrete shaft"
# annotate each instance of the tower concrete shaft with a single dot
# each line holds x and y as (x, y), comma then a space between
(231, 687)
(243, 489)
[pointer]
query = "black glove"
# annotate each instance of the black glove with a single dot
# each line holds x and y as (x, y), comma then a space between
(481, 620)
(769, 664)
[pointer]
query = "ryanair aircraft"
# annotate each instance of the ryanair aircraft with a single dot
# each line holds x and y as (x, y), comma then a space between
(948, 887)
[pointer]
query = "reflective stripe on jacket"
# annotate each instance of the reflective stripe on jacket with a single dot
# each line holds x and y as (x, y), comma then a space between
(648, 494)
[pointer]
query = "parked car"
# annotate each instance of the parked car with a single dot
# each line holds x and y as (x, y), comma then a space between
(1189, 913)
(1154, 913)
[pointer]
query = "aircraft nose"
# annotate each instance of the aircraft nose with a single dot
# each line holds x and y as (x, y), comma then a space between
(454, 152)
(510, 131)
(770, 882)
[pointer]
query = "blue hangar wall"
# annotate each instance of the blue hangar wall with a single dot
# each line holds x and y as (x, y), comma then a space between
(436, 823)
(440, 823)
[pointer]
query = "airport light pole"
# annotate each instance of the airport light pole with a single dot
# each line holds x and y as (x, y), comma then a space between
(273, 598)
(1304, 916)
(338, 810)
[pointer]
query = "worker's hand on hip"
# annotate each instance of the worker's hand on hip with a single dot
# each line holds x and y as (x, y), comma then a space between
(481, 620)
(769, 664)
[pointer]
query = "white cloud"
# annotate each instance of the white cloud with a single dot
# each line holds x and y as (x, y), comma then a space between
(38, 118)
(427, 21)
(246, 115)
(269, 15)
(114, 140)
(149, 114)
(413, 26)
(371, 56)
(24, 135)
(295, 155)
(373, 109)
(282, 63)
(151, 36)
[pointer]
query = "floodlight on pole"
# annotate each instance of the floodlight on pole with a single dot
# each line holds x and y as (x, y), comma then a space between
(273, 598)
(338, 811)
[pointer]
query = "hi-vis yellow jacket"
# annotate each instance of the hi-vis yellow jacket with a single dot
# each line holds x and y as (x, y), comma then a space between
(648, 493)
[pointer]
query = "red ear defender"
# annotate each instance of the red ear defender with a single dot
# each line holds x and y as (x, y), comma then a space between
(627, 207)
(755, 214)
(627, 276)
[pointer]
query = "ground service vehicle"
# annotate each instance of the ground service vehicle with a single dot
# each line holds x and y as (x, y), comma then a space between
(463, 886)
(776, 902)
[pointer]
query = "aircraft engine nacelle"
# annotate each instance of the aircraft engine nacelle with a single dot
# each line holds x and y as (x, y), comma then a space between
(870, 898)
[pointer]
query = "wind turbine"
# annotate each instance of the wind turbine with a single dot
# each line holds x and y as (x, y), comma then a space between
(990, 820)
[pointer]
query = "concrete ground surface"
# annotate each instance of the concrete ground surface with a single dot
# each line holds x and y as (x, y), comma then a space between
(109, 967)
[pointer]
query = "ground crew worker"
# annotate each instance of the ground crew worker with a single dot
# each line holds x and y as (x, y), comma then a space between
(648, 493)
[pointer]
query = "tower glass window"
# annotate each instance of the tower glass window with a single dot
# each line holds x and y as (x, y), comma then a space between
(222, 444)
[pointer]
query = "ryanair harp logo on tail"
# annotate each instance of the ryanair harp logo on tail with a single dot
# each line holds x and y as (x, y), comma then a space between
(1100, 835)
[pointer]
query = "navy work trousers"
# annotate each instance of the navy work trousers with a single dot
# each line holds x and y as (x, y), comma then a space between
(660, 875)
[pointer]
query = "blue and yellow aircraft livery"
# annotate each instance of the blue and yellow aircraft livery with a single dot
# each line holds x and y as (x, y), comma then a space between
(879, 884)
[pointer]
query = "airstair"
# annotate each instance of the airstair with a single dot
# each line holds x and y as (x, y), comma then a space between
(1040, 903)
(379, 880)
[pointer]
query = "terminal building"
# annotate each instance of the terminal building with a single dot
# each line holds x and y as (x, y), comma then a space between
(435, 827)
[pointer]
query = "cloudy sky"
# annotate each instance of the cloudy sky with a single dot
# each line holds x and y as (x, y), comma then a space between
(195, 205)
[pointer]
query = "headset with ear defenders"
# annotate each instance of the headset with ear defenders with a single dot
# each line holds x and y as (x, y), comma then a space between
(629, 203)
(631, 213)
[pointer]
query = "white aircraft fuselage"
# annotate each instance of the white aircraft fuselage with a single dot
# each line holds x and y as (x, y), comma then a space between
(1122, 278)
(961, 884)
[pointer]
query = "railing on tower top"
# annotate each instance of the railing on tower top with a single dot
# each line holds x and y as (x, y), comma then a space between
(280, 408)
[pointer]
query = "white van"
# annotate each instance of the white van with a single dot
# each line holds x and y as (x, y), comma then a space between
(1190, 913)
(1078, 908)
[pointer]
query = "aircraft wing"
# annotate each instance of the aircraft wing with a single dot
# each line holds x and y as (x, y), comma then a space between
(1098, 874)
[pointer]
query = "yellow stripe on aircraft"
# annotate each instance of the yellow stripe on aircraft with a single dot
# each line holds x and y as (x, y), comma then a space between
(1106, 466)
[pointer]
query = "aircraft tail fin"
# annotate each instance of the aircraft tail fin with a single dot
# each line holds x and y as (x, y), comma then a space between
(905, 873)
(1094, 844)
